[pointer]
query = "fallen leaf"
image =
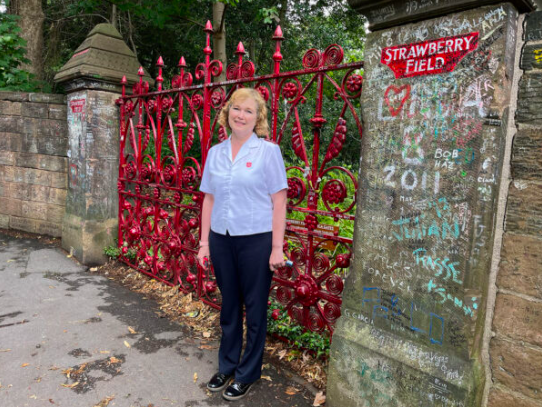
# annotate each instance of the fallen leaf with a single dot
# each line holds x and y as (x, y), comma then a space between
(282, 353)
(5, 350)
(25, 364)
(54, 368)
(33, 396)
(207, 334)
(132, 330)
(291, 390)
(113, 360)
(105, 351)
(104, 402)
(319, 399)
(268, 378)
(195, 377)
(69, 256)
(70, 386)
(127, 344)
(93, 269)
(10, 260)
(51, 401)
(208, 347)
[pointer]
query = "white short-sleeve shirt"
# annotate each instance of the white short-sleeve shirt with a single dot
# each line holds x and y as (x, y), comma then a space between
(242, 188)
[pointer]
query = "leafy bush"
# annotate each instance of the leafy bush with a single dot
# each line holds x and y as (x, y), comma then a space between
(296, 334)
(112, 251)
(12, 55)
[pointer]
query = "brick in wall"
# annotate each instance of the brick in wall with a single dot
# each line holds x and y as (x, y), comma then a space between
(499, 398)
(11, 124)
(35, 110)
(35, 226)
(517, 367)
(533, 26)
(527, 154)
(58, 112)
(531, 58)
(41, 161)
(8, 108)
(524, 208)
(7, 157)
(529, 109)
(518, 318)
(520, 269)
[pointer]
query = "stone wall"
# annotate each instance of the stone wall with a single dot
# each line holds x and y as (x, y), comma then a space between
(516, 347)
(435, 131)
(33, 162)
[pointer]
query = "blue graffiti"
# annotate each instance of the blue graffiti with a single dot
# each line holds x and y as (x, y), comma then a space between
(372, 296)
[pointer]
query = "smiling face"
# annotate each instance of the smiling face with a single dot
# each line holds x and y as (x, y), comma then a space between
(242, 117)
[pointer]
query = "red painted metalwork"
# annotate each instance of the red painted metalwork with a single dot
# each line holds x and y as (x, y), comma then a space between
(161, 167)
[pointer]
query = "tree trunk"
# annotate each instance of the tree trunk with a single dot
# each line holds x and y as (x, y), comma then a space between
(114, 20)
(31, 23)
(282, 13)
(219, 37)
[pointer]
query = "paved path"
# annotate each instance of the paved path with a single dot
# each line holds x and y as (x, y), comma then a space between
(54, 316)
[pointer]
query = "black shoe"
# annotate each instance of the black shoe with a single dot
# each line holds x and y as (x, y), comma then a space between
(236, 390)
(219, 381)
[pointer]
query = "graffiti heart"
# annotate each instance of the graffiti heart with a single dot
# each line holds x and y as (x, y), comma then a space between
(395, 101)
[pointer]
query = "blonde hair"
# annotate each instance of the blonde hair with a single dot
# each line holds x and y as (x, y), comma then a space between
(262, 126)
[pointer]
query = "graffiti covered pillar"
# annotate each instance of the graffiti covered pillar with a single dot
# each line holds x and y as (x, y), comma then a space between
(92, 80)
(435, 108)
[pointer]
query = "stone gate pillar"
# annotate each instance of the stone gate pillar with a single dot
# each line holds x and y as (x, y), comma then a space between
(92, 81)
(435, 108)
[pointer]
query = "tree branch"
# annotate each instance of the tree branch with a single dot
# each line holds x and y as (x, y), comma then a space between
(79, 15)
(130, 31)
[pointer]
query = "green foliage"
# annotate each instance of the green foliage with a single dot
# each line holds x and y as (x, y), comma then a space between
(269, 15)
(112, 251)
(174, 28)
(12, 55)
(300, 337)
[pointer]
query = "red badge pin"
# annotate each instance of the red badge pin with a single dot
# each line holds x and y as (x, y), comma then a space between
(249, 164)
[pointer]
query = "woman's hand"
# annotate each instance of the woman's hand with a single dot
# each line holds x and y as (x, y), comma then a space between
(203, 257)
(276, 260)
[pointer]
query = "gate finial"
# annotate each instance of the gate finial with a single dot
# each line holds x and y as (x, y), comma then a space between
(277, 56)
(160, 79)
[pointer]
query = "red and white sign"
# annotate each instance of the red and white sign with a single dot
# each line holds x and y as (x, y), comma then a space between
(77, 105)
(428, 57)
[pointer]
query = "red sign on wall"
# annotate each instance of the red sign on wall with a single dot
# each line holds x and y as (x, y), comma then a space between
(428, 57)
(77, 105)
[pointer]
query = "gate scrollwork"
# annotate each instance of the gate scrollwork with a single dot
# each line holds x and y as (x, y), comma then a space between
(165, 136)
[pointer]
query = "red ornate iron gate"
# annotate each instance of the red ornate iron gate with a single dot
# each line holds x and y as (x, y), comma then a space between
(160, 171)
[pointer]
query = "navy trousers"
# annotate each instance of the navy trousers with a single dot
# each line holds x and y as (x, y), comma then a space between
(241, 265)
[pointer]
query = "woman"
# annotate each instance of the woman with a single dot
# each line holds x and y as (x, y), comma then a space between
(243, 220)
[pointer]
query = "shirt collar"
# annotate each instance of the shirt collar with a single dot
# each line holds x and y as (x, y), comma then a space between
(251, 143)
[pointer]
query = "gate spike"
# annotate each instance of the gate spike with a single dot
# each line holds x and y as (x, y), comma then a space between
(278, 34)
(208, 26)
(182, 62)
(123, 82)
(160, 61)
(240, 49)
(140, 71)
